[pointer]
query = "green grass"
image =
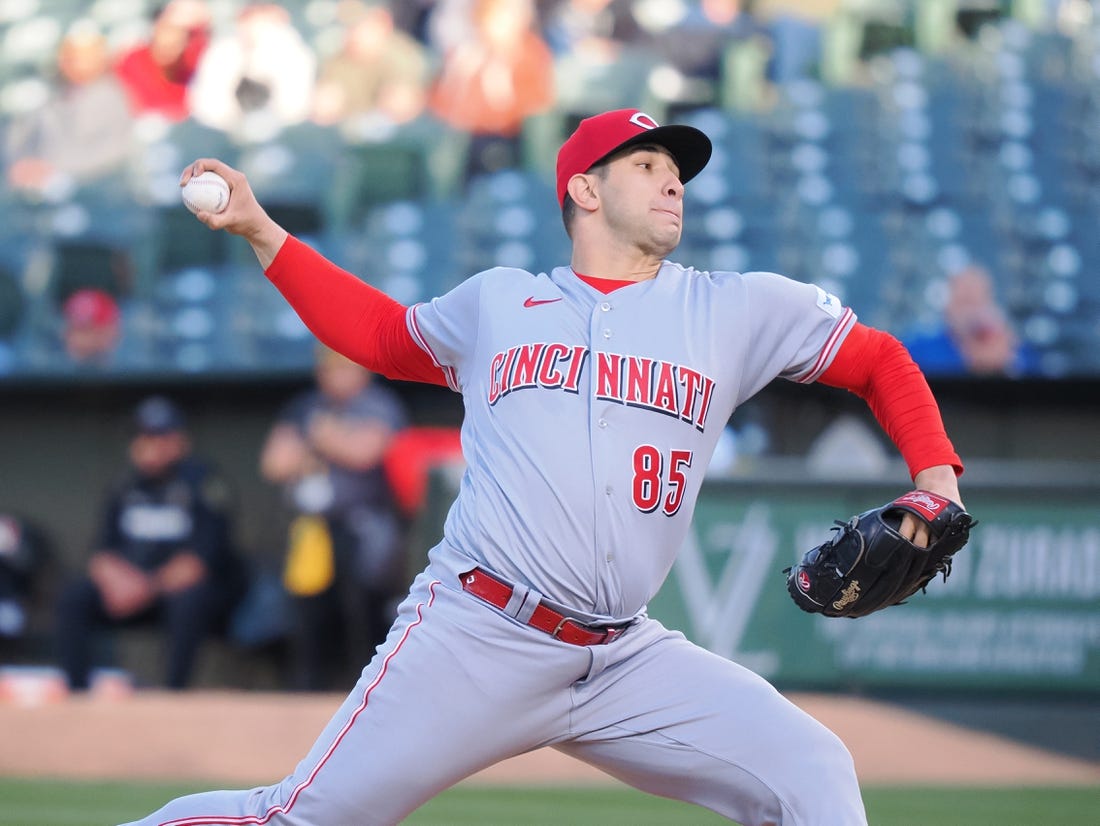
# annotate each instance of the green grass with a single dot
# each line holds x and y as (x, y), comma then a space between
(1070, 806)
(63, 803)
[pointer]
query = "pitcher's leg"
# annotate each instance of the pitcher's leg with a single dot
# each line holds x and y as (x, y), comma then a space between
(673, 719)
(451, 691)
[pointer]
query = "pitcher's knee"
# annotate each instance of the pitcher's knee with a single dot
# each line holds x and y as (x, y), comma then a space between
(831, 758)
(826, 790)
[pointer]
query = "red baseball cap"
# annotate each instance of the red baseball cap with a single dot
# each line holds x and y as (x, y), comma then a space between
(601, 135)
(90, 307)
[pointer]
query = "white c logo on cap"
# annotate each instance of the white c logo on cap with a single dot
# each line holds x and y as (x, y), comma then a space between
(644, 121)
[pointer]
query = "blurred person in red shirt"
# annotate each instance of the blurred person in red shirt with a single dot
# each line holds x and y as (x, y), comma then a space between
(156, 74)
(490, 83)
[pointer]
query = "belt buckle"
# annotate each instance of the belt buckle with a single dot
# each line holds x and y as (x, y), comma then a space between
(559, 626)
(580, 626)
(608, 634)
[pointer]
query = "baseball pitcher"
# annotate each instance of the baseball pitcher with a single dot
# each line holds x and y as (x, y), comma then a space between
(594, 395)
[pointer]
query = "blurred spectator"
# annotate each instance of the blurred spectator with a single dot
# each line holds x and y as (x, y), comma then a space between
(597, 29)
(447, 23)
(698, 43)
(380, 73)
(157, 73)
(83, 132)
(489, 84)
(163, 555)
(795, 28)
(717, 46)
(23, 552)
(603, 56)
(259, 76)
(414, 17)
(345, 563)
(91, 324)
(976, 336)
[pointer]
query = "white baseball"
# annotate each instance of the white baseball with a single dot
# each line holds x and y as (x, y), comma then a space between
(207, 192)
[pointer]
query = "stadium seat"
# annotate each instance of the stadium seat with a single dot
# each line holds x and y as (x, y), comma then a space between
(178, 242)
(743, 83)
(510, 218)
(83, 264)
(370, 174)
(877, 188)
(163, 149)
(12, 302)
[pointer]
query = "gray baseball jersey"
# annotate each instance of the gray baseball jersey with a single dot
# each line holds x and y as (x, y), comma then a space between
(589, 423)
(590, 418)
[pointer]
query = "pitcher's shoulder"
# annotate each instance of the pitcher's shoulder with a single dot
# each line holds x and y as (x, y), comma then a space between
(704, 279)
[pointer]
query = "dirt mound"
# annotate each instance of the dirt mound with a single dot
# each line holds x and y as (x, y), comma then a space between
(248, 738)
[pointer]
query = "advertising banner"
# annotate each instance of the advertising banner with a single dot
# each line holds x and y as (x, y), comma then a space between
(1021, 609)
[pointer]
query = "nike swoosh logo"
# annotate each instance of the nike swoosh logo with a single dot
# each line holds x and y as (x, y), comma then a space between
(535, 302)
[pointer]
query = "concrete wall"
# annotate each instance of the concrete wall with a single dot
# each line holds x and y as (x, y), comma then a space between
(61, 447)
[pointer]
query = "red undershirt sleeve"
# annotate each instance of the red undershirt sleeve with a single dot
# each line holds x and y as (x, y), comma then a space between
(350, 316)
(876, 367)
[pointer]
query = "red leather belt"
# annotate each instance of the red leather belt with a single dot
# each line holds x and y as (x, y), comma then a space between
(487, 587)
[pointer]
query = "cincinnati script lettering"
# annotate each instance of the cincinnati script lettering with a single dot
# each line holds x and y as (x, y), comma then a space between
(635, 381)
(550, 366)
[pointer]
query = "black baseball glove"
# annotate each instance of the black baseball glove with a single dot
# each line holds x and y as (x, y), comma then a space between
(868, 565)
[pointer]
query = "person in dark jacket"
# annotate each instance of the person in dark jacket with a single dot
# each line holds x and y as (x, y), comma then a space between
(163, 553)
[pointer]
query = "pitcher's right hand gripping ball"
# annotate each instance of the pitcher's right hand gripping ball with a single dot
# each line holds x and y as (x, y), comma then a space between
(868, 565)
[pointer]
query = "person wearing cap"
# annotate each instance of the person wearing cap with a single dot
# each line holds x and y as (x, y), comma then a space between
(163, 554)
(594, 395)
(91, 326)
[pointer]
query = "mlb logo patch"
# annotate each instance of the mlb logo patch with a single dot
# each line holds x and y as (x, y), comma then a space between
(829, 303)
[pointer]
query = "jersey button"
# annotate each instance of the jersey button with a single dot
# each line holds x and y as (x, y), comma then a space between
(606, 307)
(602, 422)
(607, 334)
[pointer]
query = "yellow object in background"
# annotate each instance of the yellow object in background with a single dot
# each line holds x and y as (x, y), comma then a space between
(310, 566)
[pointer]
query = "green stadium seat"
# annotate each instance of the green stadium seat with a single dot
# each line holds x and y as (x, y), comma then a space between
(12, 302)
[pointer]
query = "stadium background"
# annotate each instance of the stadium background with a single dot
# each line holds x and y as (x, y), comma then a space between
(930, 134)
